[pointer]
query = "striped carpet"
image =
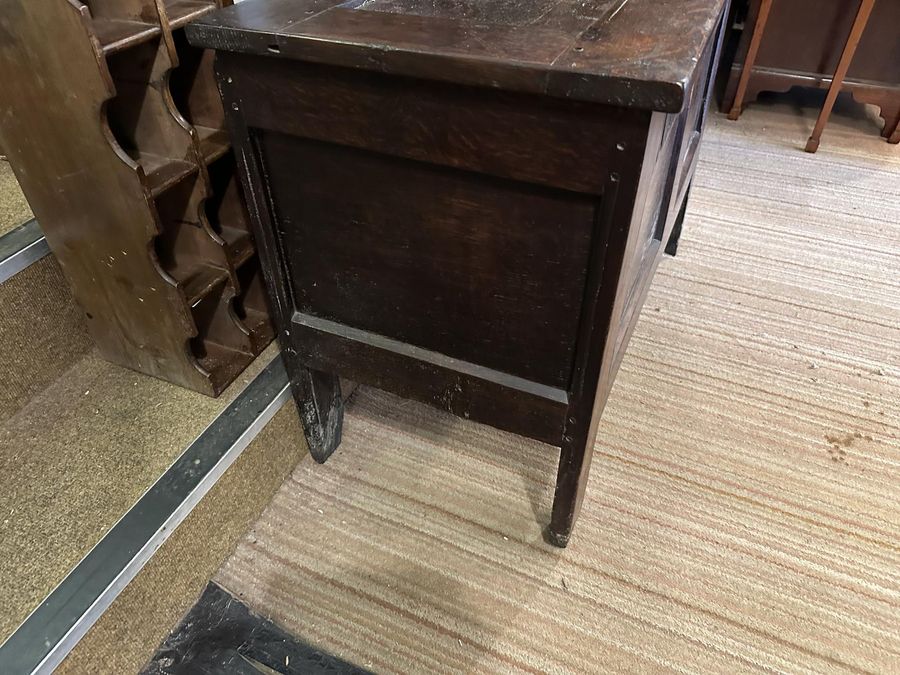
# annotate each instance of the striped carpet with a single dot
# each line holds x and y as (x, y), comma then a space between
(743, 512)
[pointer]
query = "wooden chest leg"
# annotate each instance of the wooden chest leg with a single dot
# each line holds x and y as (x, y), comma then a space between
(675, 236)
(318, 399)
(571, 480)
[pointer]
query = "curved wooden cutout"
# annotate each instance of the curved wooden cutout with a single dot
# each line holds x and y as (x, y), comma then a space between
(124, 208)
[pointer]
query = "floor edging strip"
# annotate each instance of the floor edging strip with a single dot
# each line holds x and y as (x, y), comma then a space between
(20, 248)
(53, 629)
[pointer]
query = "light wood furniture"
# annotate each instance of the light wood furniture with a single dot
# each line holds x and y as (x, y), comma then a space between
(114, 128)
(859, 25)
(759, 29)
(465, 203)
(801, 43)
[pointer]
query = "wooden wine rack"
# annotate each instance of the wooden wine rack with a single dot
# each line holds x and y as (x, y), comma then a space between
(114, 127)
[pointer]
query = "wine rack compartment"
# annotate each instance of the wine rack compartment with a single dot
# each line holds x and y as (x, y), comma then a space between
(116, 134)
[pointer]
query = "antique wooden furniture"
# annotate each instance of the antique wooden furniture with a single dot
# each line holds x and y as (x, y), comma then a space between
(859, 26)
(114, 127)
(801, 45)
(464, 202)
(756, 33)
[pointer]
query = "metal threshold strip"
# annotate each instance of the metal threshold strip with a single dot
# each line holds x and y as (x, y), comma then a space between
(50, 632)
(20, 248)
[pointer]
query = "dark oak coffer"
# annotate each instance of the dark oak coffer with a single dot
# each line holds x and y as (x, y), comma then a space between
(464, 202)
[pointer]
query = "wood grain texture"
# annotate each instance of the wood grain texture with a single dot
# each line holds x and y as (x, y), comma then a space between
(363, 253)
(756, 32)
(639, 53)
(837, 80)
(562, 144)
(465, 389)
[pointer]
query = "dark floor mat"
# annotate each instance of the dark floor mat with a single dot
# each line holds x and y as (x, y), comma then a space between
(221, 635)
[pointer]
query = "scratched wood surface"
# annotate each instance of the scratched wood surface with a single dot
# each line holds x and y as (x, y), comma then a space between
(464, 203)
(632, 53)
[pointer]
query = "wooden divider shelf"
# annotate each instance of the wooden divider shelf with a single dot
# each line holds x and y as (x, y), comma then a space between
(163, 172)
(226, 211)
(122, 153)
(181, 12)
(221, 345)
(117, 34)
(213, 142)
(250, 305)
(193, 87)
(121, 24)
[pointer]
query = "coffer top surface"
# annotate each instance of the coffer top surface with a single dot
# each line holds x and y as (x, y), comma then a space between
(630, 53)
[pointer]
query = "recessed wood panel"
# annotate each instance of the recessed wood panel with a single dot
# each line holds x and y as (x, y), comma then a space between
(478, 268)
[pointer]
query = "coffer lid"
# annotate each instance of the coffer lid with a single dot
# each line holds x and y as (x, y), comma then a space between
(629, 53)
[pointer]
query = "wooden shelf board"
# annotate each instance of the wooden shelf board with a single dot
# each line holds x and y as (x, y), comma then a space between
(164, 172)
(181, 12)
(261, 331)
(118, 34)
(213, 142)
(223, 363)
(199, 281)
(238, 244)
(257, 321)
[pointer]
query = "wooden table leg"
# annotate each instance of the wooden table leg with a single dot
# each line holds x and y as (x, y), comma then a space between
(675, 236)
(758, 30)
(895, 137)
(859, 25)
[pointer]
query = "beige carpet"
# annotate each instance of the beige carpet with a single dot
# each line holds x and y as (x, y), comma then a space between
(743, 512)
(77, 457)
(42, 333)
(128, 633)
(14, 210)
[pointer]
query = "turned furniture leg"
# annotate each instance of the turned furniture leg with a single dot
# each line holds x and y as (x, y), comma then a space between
(675, 236)
(758, 30)
(321, 408)
(859, 25)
